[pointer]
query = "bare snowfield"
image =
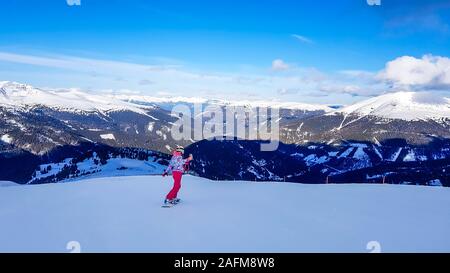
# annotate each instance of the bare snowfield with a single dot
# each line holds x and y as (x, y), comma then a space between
(124, 214)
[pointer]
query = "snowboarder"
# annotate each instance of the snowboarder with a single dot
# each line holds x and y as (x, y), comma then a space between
(178, 166)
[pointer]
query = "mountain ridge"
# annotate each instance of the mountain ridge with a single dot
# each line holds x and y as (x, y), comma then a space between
(399, 105)
(402, 105)
(35, 128)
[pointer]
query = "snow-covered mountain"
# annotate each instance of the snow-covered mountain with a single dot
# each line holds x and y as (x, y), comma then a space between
(416, 117)
(39, 120)
(15, 95)
(394, 162)
(400, 105)
(121, 162)
(242, 103)
(288, 111)
(40, 126)
(403, 105)
(116, 214)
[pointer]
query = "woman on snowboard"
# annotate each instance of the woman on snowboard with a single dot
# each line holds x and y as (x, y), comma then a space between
(177, 165)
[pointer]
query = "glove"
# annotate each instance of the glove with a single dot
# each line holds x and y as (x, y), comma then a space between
(164, 174)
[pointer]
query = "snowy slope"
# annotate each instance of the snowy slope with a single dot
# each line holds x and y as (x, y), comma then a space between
(14, 94)
(7, 183)
(124, 214)
(403, 105)
(91, 167)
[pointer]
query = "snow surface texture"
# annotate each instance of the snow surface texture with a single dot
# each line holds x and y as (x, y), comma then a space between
(125, 214)
(108, 136)
(403, 105)
(6, 138)
(7, 183)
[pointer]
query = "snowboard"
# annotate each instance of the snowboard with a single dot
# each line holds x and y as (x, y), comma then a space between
(169, 205)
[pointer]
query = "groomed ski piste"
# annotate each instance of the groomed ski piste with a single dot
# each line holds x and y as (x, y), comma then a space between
(124, 214)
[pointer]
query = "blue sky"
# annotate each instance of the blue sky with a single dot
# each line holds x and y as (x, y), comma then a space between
(309, 51)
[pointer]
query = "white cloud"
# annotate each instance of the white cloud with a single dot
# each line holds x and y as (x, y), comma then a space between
(279, 65)
(302, 39)
(178, 81)
(428, 72)
(354, 83)
(297, 83)
(350, 89)
(360, 74)
(79, 64)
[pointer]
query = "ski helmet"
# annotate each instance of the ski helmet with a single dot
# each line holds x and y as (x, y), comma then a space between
(180, 149)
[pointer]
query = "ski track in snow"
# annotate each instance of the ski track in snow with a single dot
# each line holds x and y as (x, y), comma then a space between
(396, 155)
(124, 214)
(107, 136)
(377, 152)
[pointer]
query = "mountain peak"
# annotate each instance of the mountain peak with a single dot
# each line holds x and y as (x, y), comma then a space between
(403, 105)
(9, 87)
